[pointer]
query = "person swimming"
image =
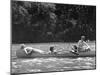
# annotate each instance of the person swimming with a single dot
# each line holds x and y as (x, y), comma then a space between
(52, 50)
(29, 50)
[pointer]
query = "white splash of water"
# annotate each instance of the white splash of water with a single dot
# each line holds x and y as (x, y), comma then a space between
(34, 70)
(88, 63)
(86, 67)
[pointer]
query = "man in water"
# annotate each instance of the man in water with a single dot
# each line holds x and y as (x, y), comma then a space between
(29, 50)
(52, 50)
(82, 46)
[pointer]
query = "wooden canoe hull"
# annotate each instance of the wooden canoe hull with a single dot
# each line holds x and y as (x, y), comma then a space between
(22, 54)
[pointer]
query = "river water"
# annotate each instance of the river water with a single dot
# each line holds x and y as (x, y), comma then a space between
(35, 65)
(52, 64)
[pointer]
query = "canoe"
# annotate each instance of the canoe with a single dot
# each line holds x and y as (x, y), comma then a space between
(22, 54)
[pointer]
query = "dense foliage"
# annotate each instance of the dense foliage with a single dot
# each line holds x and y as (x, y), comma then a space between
(45, 22)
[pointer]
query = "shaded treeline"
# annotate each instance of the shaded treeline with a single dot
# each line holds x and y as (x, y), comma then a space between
(50, 22)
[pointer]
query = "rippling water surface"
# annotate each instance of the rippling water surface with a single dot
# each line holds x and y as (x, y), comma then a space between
(50, 64)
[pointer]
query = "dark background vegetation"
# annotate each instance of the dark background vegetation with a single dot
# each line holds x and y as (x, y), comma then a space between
(51, 22)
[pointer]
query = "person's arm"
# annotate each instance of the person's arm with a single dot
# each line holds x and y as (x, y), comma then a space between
(86, 45)
(28, 50)
(78, 44)
(25, 50)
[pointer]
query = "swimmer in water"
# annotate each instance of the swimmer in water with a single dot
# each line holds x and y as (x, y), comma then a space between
(29, 50)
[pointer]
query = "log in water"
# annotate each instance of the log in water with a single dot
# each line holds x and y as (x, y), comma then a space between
(22, 54)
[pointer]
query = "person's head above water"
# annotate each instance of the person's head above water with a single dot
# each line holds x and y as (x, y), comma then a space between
(83, 38)
(22, 46)
(52, 48)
